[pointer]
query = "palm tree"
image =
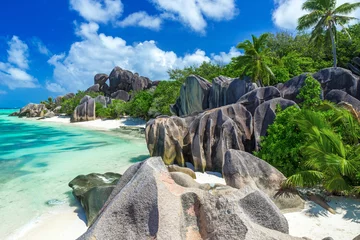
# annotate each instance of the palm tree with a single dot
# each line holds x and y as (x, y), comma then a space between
(255, 59)
(324, 16)
(330, 162)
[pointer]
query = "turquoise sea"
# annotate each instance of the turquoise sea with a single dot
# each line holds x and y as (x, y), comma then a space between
(38, 159)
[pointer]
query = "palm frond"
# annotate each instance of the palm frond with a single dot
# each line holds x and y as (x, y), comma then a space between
(307, 178)
(346, 8)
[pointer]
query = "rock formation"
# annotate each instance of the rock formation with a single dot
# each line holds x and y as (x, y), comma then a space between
(243, 170)
(92, 191)
(33, 110)
(85, 111)
(338, 96)
(329, 78)
(94, 88)
(201, 139)
(151, 203)
(354, 66)
(197, 94)
(125, 80)
(121, 95)
(265, 115)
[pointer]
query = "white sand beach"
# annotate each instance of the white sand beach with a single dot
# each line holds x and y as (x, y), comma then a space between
(98, 124)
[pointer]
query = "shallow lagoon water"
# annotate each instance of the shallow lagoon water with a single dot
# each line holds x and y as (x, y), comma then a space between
(39, 159)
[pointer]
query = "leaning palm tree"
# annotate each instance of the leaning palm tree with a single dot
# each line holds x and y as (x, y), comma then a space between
(325, 17)
(255, 59)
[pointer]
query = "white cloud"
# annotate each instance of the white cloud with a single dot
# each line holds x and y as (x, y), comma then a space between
(41, 46)
(141, 19)
(193, 12)
(287, 12)
(18, 52)
(100, 11)
(54, 87)
(13, 73)
(98, 52)
(224, 58)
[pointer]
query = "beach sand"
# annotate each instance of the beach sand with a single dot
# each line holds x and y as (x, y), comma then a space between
(98, 124)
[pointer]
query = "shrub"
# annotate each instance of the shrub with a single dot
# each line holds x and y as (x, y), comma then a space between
(68, 106)
(310, 93)
(139, 106)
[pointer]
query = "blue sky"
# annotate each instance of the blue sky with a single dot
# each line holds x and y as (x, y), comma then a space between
(51, 47)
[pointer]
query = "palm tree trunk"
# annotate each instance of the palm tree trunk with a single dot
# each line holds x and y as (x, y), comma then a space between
(333, 46)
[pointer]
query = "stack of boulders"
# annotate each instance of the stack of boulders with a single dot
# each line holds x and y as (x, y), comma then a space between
(122, 82)
(150, 202)
(233, 114)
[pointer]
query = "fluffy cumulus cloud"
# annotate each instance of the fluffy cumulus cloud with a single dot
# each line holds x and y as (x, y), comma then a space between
(98, 52)
(40, 46)
(100, 11)
(13, 72)
(141, 19)
(194, 12)
(287, 12)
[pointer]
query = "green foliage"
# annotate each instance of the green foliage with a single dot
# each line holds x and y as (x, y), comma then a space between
(315, 145)
(116, 109)
(256, 59)
(68, 106)
(49, 103)
(165, 94)
(324, 17)
(140, 104)
(310, 93)
(206, 70)
(281, 146)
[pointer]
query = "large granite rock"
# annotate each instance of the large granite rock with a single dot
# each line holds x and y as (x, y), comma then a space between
(338, 96)
(33, 110)
(121, 95)
(60, 99)
(338, 78)
(92, 191)
(197, 94)
(354, 66)
(94, 88)
(104, 101)
(202, 139)
(329, 78)
(125, 80)
(148, 203)
(253, 99)
(100, 78)
(194, 96)
(85, 111)
(265, 115)
(243, 170)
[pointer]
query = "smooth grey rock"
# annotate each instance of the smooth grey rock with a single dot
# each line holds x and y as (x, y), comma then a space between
(68, 96)
(121, 95)
(338, 96)
(57, 110)
(265, 115)
(242, 170)
(194, 96)
(218, 91)
(14, 114)
(94, 88)
(49, 114)
(338, 78)
(201, 139)
(151, 204)
(100, 78)
(238, 88)
(176, 168)
(33, 110)
(92, 191)
(290, 89)
(105, 101)
(85, 111)
(125, 80)
(253, 99)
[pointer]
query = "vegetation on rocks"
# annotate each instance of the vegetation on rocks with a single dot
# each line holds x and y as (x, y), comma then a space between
(316, 145)
(68, 105)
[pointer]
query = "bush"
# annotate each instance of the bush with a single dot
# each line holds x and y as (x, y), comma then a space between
(165, 94)
(68, 106)
(139, 106)
(310, 93)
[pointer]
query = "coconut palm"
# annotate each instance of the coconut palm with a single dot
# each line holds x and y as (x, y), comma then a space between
(331, 163)
(255, 59)
(325, 17)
